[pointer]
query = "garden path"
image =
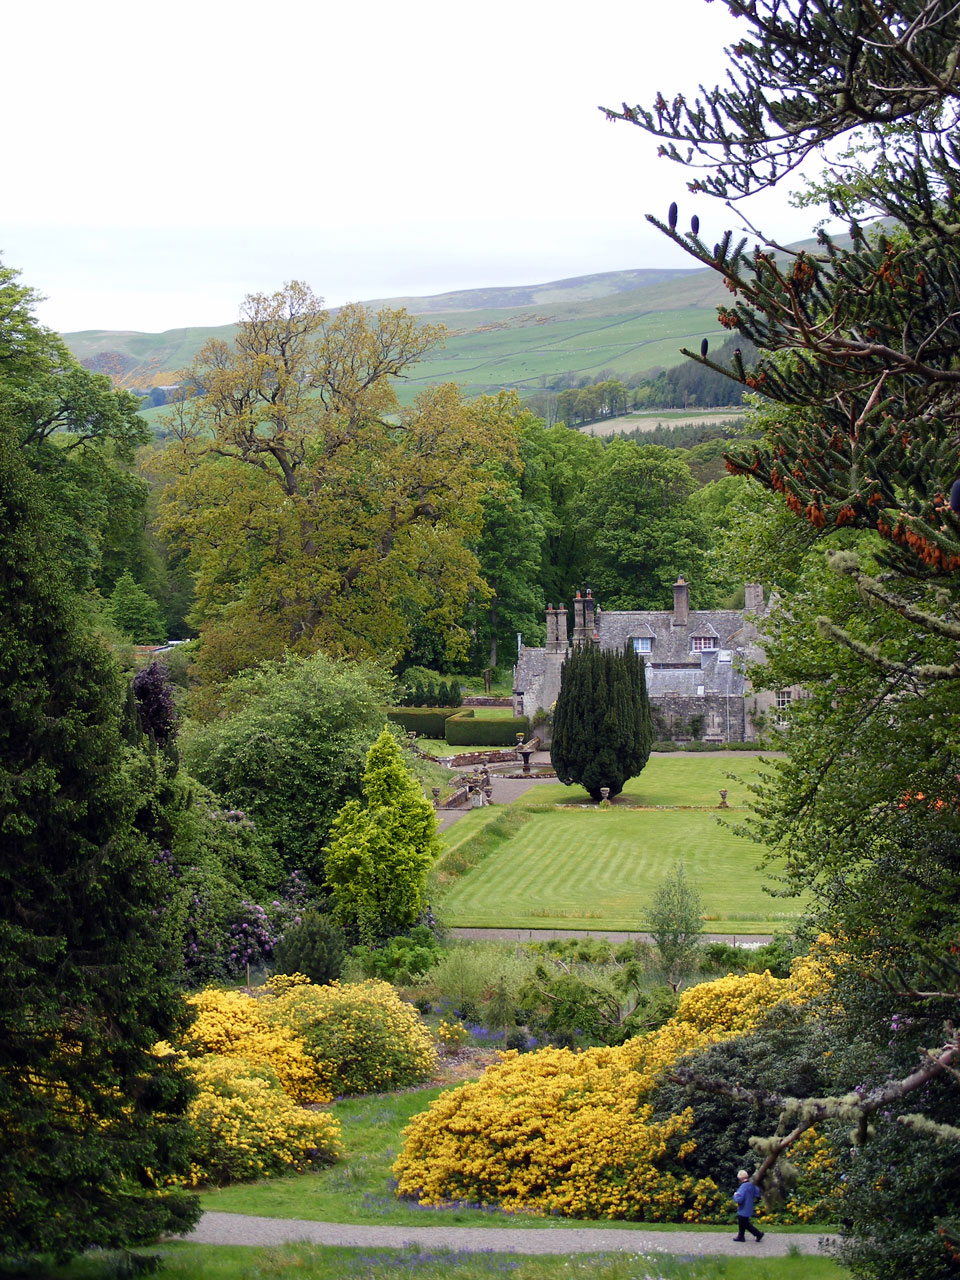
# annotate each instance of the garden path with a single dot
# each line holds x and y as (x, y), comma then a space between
(241, 1229)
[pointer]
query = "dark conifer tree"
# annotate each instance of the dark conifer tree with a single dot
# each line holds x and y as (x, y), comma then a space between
(89, 1117)
(602, 725)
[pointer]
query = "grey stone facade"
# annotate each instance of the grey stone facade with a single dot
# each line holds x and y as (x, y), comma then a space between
(695, 663)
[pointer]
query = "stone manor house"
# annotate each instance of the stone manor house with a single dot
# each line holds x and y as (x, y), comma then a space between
(695, 664)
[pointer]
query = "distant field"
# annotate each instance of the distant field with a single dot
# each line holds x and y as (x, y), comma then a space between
(662, 418)
(594, 868)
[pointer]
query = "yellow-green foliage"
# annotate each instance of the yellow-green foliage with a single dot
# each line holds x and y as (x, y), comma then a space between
(571, 1133)
(245, 1126)
(361, 1037)
(232, 1023)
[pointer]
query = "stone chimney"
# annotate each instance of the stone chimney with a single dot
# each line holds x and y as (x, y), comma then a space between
(563, 636)
(681, 603)
(589, 623)
(753, 597)
(551, 630)
(579, 634)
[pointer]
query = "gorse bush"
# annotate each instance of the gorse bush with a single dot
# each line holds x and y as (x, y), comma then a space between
(244, 1124)
(231, 1023)
(575, 1133)
(361, 1037)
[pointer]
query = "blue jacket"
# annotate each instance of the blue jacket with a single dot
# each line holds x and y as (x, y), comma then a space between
(746, 1196)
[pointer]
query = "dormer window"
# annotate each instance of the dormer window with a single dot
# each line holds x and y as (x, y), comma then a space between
(701, 644)
(642, 644)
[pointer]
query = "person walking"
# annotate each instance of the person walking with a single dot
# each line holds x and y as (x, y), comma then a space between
(745, 1198)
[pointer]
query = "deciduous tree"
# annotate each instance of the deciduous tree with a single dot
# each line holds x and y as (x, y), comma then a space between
(314, 510)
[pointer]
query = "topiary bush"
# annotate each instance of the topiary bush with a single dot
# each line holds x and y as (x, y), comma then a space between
(315, 947)
(361, 1037)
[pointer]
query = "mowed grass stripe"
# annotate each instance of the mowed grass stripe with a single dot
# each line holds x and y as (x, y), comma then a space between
(599, 868)
(686, 778)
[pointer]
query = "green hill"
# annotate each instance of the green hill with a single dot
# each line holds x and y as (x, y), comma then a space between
(515, 337)
(508, 337)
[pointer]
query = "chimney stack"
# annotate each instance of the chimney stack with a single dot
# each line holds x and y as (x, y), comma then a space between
(589, 625)
(579, 635)
(563, 636)
(753, 597)
(551, 630)
(681, 603)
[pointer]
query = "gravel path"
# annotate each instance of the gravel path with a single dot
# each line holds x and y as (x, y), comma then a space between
(236, 1228)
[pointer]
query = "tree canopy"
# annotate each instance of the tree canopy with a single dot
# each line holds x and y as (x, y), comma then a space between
(857, 345)
(313, 509)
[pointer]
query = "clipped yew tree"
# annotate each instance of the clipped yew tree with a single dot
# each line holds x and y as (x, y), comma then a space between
(381, 849)
(91, 1119)
(602, 726)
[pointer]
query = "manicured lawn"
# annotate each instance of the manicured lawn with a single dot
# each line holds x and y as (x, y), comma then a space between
(578, 865)
(597, 869)
(682, 778)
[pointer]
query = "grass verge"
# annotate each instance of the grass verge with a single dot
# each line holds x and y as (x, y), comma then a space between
(315, 1262)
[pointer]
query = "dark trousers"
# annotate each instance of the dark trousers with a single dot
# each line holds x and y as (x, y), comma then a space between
(744, 1224)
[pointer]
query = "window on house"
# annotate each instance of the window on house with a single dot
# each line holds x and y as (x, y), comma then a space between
(699, 644)
(642, 644)
(784, 698)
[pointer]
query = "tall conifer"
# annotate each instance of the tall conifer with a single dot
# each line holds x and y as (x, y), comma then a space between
(602, 726)
(89, 1116)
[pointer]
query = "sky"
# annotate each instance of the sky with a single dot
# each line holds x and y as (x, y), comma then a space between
(169, 159)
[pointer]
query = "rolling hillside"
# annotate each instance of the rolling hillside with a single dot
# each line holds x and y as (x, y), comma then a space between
(516, 337)
(628, 321)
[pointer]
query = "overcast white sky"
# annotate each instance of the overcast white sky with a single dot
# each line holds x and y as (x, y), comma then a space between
(163, 160)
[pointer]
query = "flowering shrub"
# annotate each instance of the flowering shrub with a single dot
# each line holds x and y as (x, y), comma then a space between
(360, 1037)
(245, 1126)
(230, 1023)
(574, 1134)
(452, 1036)
(277, 983)
(556, 1131)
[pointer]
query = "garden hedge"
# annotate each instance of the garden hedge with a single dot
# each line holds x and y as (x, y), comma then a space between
(466, 729)
(427, 722)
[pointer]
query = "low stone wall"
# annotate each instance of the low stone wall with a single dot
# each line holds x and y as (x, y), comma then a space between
(480, 700)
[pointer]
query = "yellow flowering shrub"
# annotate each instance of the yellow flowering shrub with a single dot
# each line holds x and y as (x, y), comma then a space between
(554, 1131)
(244, 1126)
(277, 983)
(735, 1003)
(571, 1133)
(361, 1037)
(452, 1036)
(232, 1023)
